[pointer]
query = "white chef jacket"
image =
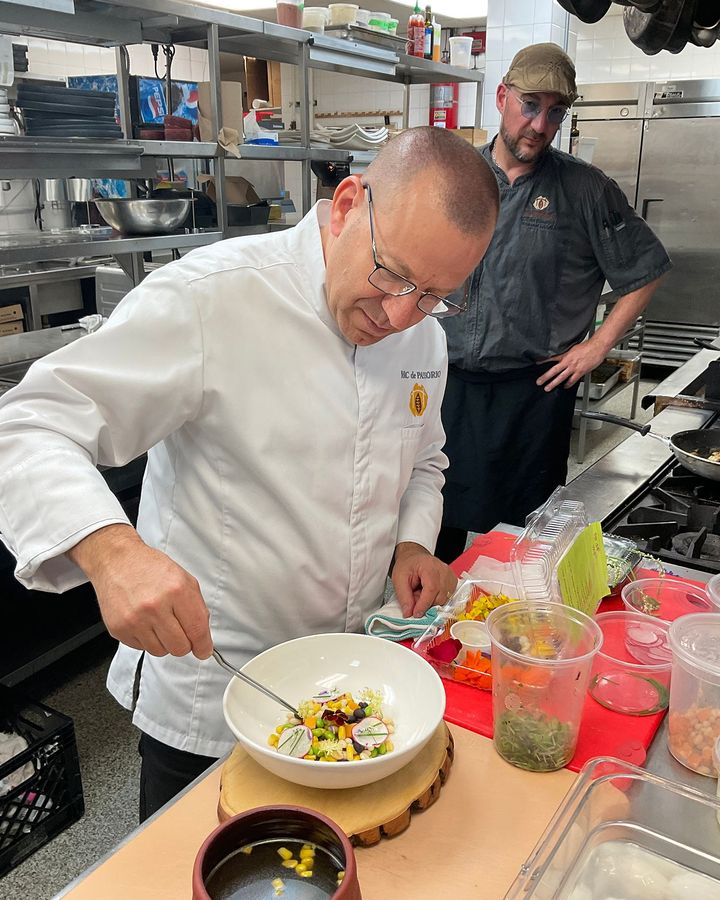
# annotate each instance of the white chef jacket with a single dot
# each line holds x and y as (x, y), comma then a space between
(284, 463)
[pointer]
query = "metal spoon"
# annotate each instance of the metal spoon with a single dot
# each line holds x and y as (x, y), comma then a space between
(256, 684)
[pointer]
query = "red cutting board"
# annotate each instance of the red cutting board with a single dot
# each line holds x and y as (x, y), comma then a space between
(603, 732)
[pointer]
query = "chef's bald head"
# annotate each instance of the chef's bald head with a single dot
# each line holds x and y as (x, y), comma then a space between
(449, 168)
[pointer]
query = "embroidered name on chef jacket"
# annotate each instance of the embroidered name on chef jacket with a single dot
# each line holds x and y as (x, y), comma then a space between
(540, 213)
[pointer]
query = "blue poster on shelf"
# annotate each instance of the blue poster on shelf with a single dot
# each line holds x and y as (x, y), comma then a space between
(151, 99)
(151, 108)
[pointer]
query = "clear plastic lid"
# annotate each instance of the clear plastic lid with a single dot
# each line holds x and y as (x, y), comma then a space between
(695, 640)
(713, 589)
(548, 535)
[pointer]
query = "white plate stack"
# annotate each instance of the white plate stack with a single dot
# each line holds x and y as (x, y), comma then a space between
(351, 137)
(7, 123)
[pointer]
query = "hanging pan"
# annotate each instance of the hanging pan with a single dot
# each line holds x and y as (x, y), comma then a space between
(588, 11)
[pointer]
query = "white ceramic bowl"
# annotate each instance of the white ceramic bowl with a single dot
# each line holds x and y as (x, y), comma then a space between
(414, 698)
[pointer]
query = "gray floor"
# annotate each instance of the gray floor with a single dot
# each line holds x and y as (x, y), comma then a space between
(107, 742)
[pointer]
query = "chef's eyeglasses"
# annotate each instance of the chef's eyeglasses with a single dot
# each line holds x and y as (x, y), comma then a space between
(531, 109)
(395, 285)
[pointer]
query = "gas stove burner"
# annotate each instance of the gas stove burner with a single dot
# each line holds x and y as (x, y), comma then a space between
(697, 544)
(691, 487)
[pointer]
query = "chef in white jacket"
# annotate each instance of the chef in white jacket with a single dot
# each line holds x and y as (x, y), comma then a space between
(287, 390)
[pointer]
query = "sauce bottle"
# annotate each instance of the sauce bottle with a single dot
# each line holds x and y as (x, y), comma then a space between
(416, 32)
(437, 34)
(428, 45)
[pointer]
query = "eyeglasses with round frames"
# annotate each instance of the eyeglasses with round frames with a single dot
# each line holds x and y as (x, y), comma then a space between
(389, 282)
(531, 109)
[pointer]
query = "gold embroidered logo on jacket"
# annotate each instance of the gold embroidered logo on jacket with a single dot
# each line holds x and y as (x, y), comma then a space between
(418, 400)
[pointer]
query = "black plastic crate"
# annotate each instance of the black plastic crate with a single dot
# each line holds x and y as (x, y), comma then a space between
(51, 798)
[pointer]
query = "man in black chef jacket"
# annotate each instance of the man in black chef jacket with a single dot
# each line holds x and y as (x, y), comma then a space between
(517, 354)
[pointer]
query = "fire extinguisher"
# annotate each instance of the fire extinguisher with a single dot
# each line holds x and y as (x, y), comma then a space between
(444, 105)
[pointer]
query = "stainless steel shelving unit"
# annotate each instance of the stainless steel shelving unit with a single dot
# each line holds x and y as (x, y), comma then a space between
(48, 246)
(118, 23)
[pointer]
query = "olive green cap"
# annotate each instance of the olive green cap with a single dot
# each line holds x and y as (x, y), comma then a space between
(543, 67)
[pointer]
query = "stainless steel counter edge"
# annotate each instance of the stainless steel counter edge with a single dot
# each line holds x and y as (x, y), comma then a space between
(624, 469)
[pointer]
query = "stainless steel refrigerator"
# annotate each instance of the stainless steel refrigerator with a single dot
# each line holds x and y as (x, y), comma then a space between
(661, 143)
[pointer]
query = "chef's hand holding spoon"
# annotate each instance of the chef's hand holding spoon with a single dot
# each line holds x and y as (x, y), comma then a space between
(147, 600)
(420, 579)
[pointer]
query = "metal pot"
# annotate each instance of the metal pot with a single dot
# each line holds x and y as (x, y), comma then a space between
(79, 190)
(690, 448)
(55, 190)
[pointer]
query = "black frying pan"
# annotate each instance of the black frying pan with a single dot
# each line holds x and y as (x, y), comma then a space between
(690, 448)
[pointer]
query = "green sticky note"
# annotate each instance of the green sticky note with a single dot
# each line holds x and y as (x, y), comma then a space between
(582, 572)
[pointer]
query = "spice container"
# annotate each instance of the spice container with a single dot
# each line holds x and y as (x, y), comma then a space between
(379, 21)
(342, 13)
(457, 655)
(315, 18)
(631, 673)
(542, 655)
(288, 12)
(694, 718)
(665, 598)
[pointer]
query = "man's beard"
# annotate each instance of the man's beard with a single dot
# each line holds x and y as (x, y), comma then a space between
(523, 156)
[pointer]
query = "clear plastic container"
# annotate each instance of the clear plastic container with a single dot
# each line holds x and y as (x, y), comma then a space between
(342, 13)
(460, 51)
(631, 673)
(657, 822)
(393, 26)
(713, 589)
(694, 717)
(362, 17)
(548, 535)
(315, 18)
(542, 655)
(289, 13)
(456, 656)
(379, 21)
(665, 598)
(622, 557)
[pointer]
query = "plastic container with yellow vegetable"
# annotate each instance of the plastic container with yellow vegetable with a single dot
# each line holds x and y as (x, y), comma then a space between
(457, 643)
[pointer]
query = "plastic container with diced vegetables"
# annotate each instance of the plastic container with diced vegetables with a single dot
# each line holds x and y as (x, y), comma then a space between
(457, 643)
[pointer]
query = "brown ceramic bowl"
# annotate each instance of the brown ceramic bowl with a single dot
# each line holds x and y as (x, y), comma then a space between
(272, 826)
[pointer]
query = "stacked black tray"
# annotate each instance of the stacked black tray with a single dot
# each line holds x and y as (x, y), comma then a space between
(57, 111)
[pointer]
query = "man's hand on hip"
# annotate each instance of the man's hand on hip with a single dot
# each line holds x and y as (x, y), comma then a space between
(147, 601)
(420, 579)
(572, 365)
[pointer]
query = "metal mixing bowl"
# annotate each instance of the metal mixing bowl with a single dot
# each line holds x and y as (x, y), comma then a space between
(133, 216)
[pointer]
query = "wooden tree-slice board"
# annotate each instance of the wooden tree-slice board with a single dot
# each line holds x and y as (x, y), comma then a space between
(366, 814)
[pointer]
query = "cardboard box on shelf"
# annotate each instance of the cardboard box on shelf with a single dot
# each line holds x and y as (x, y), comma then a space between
(237, 189)
(11, 313)
(477, 136)
(232, 109)
(11, 328)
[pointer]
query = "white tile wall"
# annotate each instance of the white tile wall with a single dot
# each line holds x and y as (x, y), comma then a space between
(605, 53)
(58, 60)
(512, 25)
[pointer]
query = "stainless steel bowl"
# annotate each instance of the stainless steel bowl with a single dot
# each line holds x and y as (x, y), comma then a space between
(133, 216)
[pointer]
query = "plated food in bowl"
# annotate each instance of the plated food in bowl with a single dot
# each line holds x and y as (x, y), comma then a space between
(412, 702)
(335, 727)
